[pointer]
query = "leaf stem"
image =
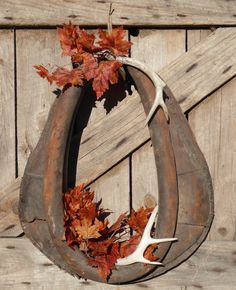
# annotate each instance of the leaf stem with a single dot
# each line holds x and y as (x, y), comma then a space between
(109, 24)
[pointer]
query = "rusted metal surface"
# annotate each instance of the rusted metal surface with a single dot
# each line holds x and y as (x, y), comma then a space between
(180, 166)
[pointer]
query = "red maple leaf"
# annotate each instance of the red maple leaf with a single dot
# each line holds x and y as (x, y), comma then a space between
(105, 263)
(68, 35)
(138, 219)
(89, 212)
(102, 73)
(75, 199)
(100, 247)
(107, 72)
(63, 76)
(114, 41)
(129, 246)
(89, 66)
(85, 41)
(44, 73)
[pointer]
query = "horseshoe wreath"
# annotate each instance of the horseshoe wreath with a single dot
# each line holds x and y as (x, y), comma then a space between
(185, 209)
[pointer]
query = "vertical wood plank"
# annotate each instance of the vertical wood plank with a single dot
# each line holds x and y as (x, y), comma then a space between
(34, 94)
(156, 48)
(113, 189)
(195, 36)
(213, 123)
(7, 108)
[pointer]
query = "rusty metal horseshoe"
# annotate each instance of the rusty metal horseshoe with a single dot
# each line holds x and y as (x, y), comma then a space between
(185, 198)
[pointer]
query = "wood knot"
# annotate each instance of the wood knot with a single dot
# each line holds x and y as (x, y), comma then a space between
(149, 201)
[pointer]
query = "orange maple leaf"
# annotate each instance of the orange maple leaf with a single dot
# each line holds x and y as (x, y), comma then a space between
(102, 73)
(105, 263)
(114, 41)
(138, 219)
(88, 212)
(63, 76)
(129, 246)
(44, 73)
(100, 247)
(86, 229)
(89, 66)
(68, 35)
(107, 72)
(85, 41)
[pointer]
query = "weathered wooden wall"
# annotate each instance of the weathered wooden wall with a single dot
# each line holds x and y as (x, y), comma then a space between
(206, 92)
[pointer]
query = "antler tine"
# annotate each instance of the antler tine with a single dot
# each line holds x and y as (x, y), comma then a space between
(146, 240)
(157, 81)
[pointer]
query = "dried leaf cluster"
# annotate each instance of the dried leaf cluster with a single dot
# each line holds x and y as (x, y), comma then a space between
(88, 57)
(87, 226)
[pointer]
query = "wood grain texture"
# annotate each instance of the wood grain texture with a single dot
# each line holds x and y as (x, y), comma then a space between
(26, 268)
(113, 189)
(213, 61)
(190, 82)
(129, 132)
(138, 12)
(7, 108)
(111, 138)
(34, 95)
(9, 196)
(155, 49)
(196, 36)
(213, 123)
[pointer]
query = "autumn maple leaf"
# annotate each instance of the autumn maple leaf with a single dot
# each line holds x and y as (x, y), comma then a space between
(107, 72)
(44, 73)
(114, 41)
(100, 247)
(102, 73)
(105, 263)
(129, 246)
(138, 219)
(86, 229)
(89, 66)
(85, 41)
(63, 76)
(68, 36)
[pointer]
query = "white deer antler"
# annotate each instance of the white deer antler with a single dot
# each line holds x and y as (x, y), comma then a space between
(157, 81)
(146, 240)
